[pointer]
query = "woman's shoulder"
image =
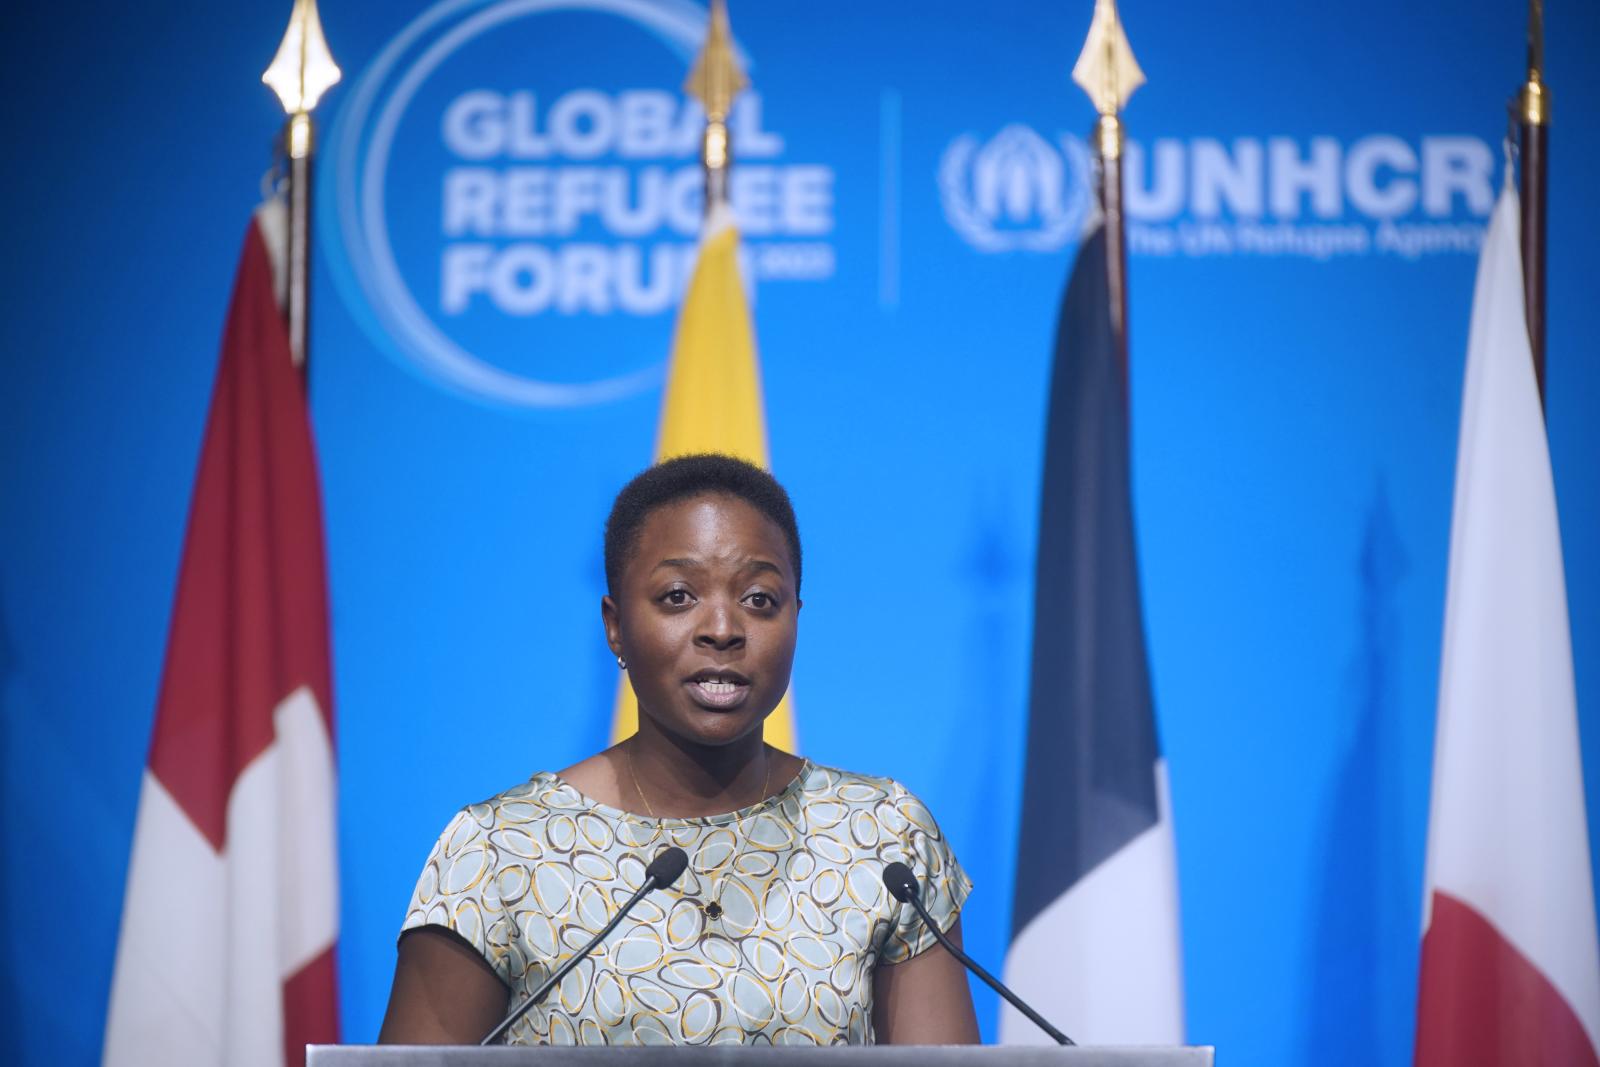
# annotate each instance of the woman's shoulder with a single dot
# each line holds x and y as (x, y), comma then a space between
(878, 814)
(823, 784)
(541, 796)
(819, 779)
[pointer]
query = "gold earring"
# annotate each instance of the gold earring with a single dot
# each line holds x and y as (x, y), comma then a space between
(622, 664)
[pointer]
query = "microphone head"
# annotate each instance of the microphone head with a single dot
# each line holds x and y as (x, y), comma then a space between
(900, 882)
(666, 867)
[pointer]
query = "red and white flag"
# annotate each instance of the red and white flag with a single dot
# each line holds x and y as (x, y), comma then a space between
(1510, 962)
(226, 954)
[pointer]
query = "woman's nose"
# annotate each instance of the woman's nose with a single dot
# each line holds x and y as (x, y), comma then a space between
(720, 626)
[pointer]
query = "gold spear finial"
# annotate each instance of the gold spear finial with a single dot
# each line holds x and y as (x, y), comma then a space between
(1106, 69)
(716, 77)
(300, 73)
(1533, 103)
(303, 69)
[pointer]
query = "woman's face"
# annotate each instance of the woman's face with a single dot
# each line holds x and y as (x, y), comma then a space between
(705, 616)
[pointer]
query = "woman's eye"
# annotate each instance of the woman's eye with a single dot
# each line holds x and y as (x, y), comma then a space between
(760, 601)
(676, 597)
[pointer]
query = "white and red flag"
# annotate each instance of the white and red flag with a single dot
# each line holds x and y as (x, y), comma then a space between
(1510, 962)
(226, 954)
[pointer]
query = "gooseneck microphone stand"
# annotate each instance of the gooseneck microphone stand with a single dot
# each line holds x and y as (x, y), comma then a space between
(903, 885)
(662, 872)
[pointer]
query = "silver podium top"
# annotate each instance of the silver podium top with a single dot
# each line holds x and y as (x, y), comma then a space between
(741, 1055)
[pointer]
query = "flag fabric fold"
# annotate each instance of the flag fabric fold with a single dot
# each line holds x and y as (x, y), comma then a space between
(713, 399)
(1510, 968)
(1095, 945)
(226, 950)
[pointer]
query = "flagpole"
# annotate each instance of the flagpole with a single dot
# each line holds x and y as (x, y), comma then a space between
(1108, 135)
(301, 72)
(1531, 112)
(712, 401)
(1107, 71)
(715, 79)
(246, 683)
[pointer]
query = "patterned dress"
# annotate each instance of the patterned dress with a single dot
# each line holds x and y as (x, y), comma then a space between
(770, 936)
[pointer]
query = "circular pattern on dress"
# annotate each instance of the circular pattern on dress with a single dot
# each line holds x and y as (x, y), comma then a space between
(771, 935)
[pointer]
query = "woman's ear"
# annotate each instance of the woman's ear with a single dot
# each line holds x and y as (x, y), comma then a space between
(608, 618)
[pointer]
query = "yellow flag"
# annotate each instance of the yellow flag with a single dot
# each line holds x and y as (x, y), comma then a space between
(713, 400)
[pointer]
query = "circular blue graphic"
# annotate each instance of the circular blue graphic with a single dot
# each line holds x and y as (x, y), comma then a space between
(381, 272)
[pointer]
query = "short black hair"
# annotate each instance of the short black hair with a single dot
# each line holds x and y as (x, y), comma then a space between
(690, 476)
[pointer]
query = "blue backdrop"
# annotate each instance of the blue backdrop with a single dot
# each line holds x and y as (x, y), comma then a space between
(505, 198)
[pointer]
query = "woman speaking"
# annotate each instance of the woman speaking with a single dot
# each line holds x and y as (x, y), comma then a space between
(780, 930)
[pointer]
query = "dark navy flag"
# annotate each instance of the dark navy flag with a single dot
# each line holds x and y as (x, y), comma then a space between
(1094, 940)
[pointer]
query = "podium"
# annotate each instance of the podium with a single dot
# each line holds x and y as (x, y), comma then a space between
(749, 1056)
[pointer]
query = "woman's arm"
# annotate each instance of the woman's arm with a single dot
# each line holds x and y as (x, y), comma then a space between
(925, 1000)
(444, 993)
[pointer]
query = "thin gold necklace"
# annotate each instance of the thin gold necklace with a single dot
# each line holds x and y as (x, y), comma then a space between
(766, 785)
(712, 908)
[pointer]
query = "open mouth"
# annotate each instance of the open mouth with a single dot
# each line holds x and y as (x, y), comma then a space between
(718, 689)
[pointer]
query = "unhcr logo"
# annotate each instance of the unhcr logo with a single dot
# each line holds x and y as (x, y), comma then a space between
(1017, 192)
(1316, 198)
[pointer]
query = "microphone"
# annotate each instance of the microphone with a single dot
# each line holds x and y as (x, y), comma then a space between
(902, 884)
(662, 872)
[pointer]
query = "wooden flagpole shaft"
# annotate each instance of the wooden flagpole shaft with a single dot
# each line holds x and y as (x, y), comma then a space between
(297, 262)
(1533, 149)
(717, 157)
(1108, 140)
(1531, 111)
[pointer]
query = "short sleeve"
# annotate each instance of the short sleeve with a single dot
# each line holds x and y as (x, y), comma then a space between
(943, 883)
(456, 885)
